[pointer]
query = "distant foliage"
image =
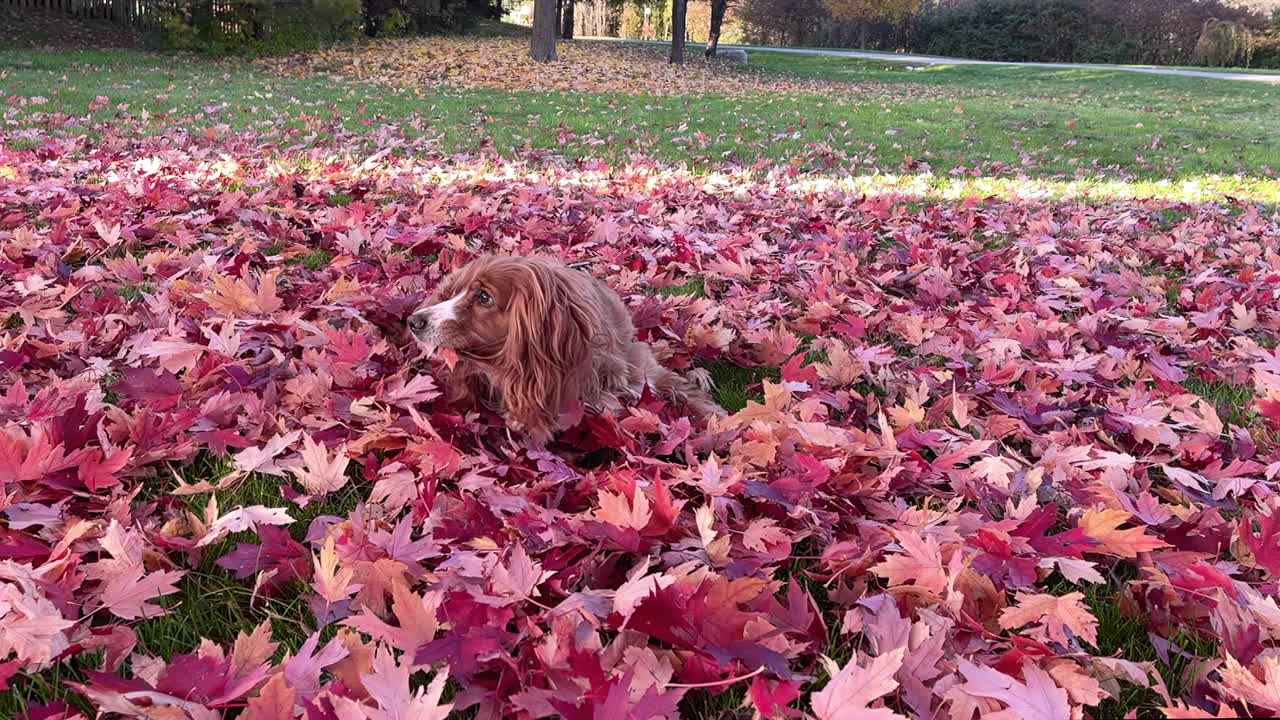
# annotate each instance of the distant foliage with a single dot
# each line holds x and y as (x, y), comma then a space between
(1266, 49)
(1222, 44)
(892, 10)
(628, 19)
(865, 13)
(265, 26)
(396, 23)
(1119, 31)
(784, 22)
(1266, 45)
(647, 20)
(1014, 30)
(448, 15)
(1163, 32)
(392, 17)
(597, 18)
(257, 25)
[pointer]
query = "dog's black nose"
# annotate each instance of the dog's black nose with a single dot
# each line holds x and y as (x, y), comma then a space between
(418, 322)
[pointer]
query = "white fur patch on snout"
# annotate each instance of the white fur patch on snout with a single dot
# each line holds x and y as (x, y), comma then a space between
(444, 311)
(440, 313)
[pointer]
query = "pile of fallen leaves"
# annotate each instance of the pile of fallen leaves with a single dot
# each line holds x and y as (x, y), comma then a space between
(33, 27)
(583, 66)
(970, 422)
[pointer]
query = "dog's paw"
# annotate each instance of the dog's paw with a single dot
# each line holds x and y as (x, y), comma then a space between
(702, 378)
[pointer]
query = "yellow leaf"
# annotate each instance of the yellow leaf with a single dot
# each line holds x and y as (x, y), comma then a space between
(331, 583)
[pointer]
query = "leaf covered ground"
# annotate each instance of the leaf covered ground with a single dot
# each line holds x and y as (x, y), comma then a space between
(985, 456)
(31, 27)
(1013, 132)
(582, 66)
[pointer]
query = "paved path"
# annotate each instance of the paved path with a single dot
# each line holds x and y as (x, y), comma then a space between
(935, 60)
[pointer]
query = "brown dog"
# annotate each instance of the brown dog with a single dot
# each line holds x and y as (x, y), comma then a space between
(535, 338)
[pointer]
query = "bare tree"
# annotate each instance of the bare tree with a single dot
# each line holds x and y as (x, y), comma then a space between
(542, 47)
(679, 11)
(718, 8)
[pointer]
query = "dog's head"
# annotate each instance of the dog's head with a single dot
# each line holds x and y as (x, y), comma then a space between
(529, 321)
(471, 310)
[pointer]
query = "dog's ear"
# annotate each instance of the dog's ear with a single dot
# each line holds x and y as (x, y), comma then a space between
(553, 321)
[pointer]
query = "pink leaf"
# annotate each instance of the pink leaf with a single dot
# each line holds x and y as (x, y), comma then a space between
(920, 565)
(320, 473)
(127, 594)
(1059, 616)
(1036, 699)
(852, 689)
(519, 577)
(388, 686)
(1261, 693)
(275, 701)
(302, 671)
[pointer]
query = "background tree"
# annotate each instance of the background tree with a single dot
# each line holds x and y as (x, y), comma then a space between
(718, 9)
(783, 22)
(679, 12)
(1158, 32)
(542, 47)
(1222, 44)
(865, 11)
(1262, 7)
(601, 18)
(566, 20)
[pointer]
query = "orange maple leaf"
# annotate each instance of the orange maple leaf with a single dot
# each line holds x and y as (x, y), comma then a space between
(1103, 526)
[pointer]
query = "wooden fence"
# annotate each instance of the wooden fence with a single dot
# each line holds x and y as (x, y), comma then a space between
(138, 13)
(230, 15)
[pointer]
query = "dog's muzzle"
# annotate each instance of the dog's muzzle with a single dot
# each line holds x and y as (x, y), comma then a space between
(420, 323)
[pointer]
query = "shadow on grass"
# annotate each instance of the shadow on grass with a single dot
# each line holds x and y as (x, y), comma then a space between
(1231, 401)
(734, 385)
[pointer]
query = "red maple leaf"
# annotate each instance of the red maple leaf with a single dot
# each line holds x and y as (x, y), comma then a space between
(1265, 545)
(278, 552)
(157, 390)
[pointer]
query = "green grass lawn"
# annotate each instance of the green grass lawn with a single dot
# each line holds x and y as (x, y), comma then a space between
(901, 57)
(1044, 123)
(1214, 124)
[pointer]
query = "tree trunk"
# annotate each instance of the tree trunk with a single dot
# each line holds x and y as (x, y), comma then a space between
(542, 47)
(679, 9)
(202, 16)
(862, 35)
(718, 8)
(566, 20)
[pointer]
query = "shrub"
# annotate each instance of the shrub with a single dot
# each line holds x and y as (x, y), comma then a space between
(1222, 44)
(1013, 30)
(265, 26)
(1266, 50)
(427, 16)
(1115, 31)
(784, 22)
(396, 23)
(256, 25)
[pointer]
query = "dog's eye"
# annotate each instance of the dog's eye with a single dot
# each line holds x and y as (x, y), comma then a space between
(484, 298)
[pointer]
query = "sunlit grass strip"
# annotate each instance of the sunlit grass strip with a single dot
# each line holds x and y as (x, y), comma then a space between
(1197, 189)
(412, 171)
